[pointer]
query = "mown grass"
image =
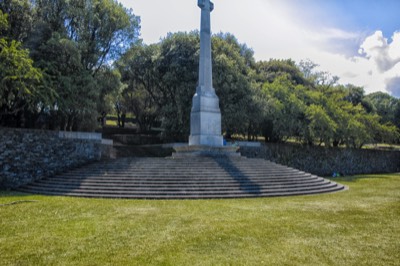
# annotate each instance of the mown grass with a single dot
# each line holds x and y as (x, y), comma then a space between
(360, 226)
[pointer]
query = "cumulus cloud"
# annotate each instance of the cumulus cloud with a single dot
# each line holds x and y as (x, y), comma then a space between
(392, 80)
(383, 60)
(385, 55)
(376, 67)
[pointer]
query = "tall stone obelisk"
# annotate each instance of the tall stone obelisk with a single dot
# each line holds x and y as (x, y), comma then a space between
(205, 118)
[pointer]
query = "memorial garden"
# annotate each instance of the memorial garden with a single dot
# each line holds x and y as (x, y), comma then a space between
(210, 198)
(59, 74)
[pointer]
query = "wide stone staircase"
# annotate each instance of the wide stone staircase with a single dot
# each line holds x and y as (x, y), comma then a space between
(183, 178)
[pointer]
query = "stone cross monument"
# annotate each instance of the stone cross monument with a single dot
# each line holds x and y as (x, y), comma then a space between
(205, 118)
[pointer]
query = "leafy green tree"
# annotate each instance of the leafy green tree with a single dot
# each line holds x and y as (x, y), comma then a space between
(178, 71)
(321, 126)
(307, 67)
(103, 30)
(161, 79)
(320, 112)
(397, 117)
(75, 86)
(355, 94)
(20, 19)
(3, 24)
(385, 106)
(355, 127)
(19, 79)
(75, 42)
(268, 71)
(286, 110)
(140, 95)
(160, 82)
(110, 86)
(231, 73)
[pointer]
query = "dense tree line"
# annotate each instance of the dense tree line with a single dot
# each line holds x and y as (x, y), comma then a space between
(56, 60)
(277, 99)
(65, 63)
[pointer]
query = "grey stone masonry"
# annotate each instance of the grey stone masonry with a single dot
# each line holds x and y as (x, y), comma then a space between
(205, 118)
(324, 162)
(28, 155)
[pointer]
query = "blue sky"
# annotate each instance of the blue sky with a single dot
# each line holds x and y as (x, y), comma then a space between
(357, 40)
(364, 15)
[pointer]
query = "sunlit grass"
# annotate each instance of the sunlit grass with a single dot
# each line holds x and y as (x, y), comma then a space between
(112, 123)
(382, 146)
(360, 226)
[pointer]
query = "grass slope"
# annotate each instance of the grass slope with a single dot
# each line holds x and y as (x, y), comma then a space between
(360, 226)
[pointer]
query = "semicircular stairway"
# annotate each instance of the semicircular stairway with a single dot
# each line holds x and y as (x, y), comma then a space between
(183, 178)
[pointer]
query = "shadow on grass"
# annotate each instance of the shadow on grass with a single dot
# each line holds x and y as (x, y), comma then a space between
(14, 194)
(356, 178)
(245, 184)
(9, 198)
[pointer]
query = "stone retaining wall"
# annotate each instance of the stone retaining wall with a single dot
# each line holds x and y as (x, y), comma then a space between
(28, 155)
(324, 162)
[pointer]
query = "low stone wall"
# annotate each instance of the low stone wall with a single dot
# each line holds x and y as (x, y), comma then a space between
(28, 155)
(137, 139)
(324, 162)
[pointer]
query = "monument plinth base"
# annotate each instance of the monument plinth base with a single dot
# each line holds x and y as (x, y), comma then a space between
(205, 120)
(206, 140)
(205, 151)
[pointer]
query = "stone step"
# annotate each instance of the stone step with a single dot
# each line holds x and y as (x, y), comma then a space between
(188, 178)
(182, 165)
(172, 185)
(179, 181)
(241, 194)
(183, 175)
(204, 177)
(176, 191)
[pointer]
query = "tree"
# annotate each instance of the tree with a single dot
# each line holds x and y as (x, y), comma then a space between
(231, 73)
(19, 80)
(177, 69)
(319, 112)
(385, 106)
(110, 86)
(161, 79)
(103, 30)
(140, 95)
(268, 71)
(321, 127)
(322, 79)
(307, 67)
(75, 43)
(20, 19)
(355, 94)
(286, 110)
(397, 117)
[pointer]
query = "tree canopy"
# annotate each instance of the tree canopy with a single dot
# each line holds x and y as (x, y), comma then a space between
(65, 63)
(72, 45)
(20, 87)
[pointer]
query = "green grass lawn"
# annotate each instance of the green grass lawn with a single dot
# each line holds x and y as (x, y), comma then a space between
(360, 226)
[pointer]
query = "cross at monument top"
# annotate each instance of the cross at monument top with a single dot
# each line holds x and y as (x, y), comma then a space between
(205, 3)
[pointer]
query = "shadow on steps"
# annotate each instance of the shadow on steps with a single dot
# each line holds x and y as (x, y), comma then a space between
(242, 179)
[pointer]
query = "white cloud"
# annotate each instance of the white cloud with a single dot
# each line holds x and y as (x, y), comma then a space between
(394, 49)
(377, 48)
(376, 68)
